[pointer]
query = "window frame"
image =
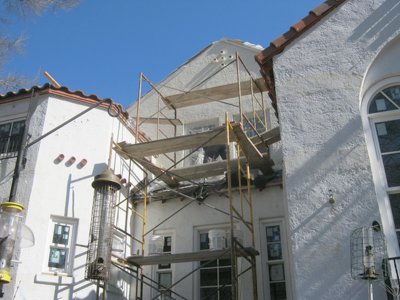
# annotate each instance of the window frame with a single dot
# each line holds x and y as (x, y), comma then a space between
(117, 280)
(7, 153)
(69, 247)
(199, 230)
(264, 256)
(157, 270)
(378, 172)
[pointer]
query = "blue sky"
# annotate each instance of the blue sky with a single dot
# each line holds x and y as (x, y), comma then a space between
(101, 46)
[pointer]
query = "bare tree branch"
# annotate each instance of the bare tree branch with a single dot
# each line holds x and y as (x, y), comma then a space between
(28, 8)
(10, 46)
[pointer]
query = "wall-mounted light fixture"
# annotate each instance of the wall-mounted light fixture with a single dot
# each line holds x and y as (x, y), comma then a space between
(331, 199)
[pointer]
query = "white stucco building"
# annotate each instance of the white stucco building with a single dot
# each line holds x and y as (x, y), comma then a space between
(54, 186)
(334, 79)
(324, 162)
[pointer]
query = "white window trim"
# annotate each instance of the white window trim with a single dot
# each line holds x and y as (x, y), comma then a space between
(72, 245)
(196, 247)
(117, 285)
(154, 269)
(264, 254)
(378, 174)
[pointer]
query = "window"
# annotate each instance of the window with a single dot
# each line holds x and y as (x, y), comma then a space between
(274, 261)
(256, 120)
(164, 271)
(208, 153)
(62, 241)
(384, 117)
(215, 276)
(116, 279)
(10, 138)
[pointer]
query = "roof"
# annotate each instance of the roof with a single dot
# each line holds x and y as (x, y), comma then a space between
(47, 88)
(235, 42)
(265, 57)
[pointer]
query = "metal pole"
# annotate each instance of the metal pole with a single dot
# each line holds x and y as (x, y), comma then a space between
(370, 291)
(138, 107)
(69, 121)
(229, 179)
(239, 87)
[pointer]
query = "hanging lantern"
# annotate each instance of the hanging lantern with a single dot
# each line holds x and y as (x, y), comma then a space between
(10, 220)
(105, 186)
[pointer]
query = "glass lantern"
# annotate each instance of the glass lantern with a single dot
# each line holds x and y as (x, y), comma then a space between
(10, 220)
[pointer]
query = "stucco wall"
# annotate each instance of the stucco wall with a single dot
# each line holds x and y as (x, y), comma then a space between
(184, 227)
(62, 189)
(203, 72)
(318, 81)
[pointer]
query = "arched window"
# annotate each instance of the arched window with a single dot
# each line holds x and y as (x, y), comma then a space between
(384, 122)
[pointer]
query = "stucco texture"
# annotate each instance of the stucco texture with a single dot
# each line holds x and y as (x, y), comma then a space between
(318, 82)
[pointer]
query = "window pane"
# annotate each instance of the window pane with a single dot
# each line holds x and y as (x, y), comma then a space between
(273, 234)
(18, 128)
(391, 163)
(57, 258)
(209, 294)
(61, 234)
(393, 93)
(276, 272)
(398, 237)
(5, 129)
(224, 276)
(395, 204)
(225, 293)
(204, 242)
(208, 277)
(278, 291)
(4, 134)
(209, 264)
(224, 262)
(16, 136)
(388, 135)
(167, 244)
(165, 279)
(380, 103)
(274, 251)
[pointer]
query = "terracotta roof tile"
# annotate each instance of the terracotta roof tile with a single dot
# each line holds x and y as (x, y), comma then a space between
(61, 91)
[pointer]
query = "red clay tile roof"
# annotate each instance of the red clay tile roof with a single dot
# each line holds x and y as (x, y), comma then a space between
(265, 57)
(61, 91)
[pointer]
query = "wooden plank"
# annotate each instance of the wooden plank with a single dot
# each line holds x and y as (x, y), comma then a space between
(217, 93)
(269, 137)
(188, 257)
(246, 145)
(162, 174)
(162, 121)
(184, 142)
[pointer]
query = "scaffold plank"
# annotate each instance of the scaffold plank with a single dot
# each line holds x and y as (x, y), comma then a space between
(217, 93)
(188, 257)
(183, 142)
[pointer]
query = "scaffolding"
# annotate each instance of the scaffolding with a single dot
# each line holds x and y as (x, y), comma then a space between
(252, 152)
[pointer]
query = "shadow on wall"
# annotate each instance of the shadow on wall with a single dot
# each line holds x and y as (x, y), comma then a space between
(380, 25)
(69, 208)
(320, 237)
(91, 296)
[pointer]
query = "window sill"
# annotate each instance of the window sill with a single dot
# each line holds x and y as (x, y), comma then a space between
(54, 278)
